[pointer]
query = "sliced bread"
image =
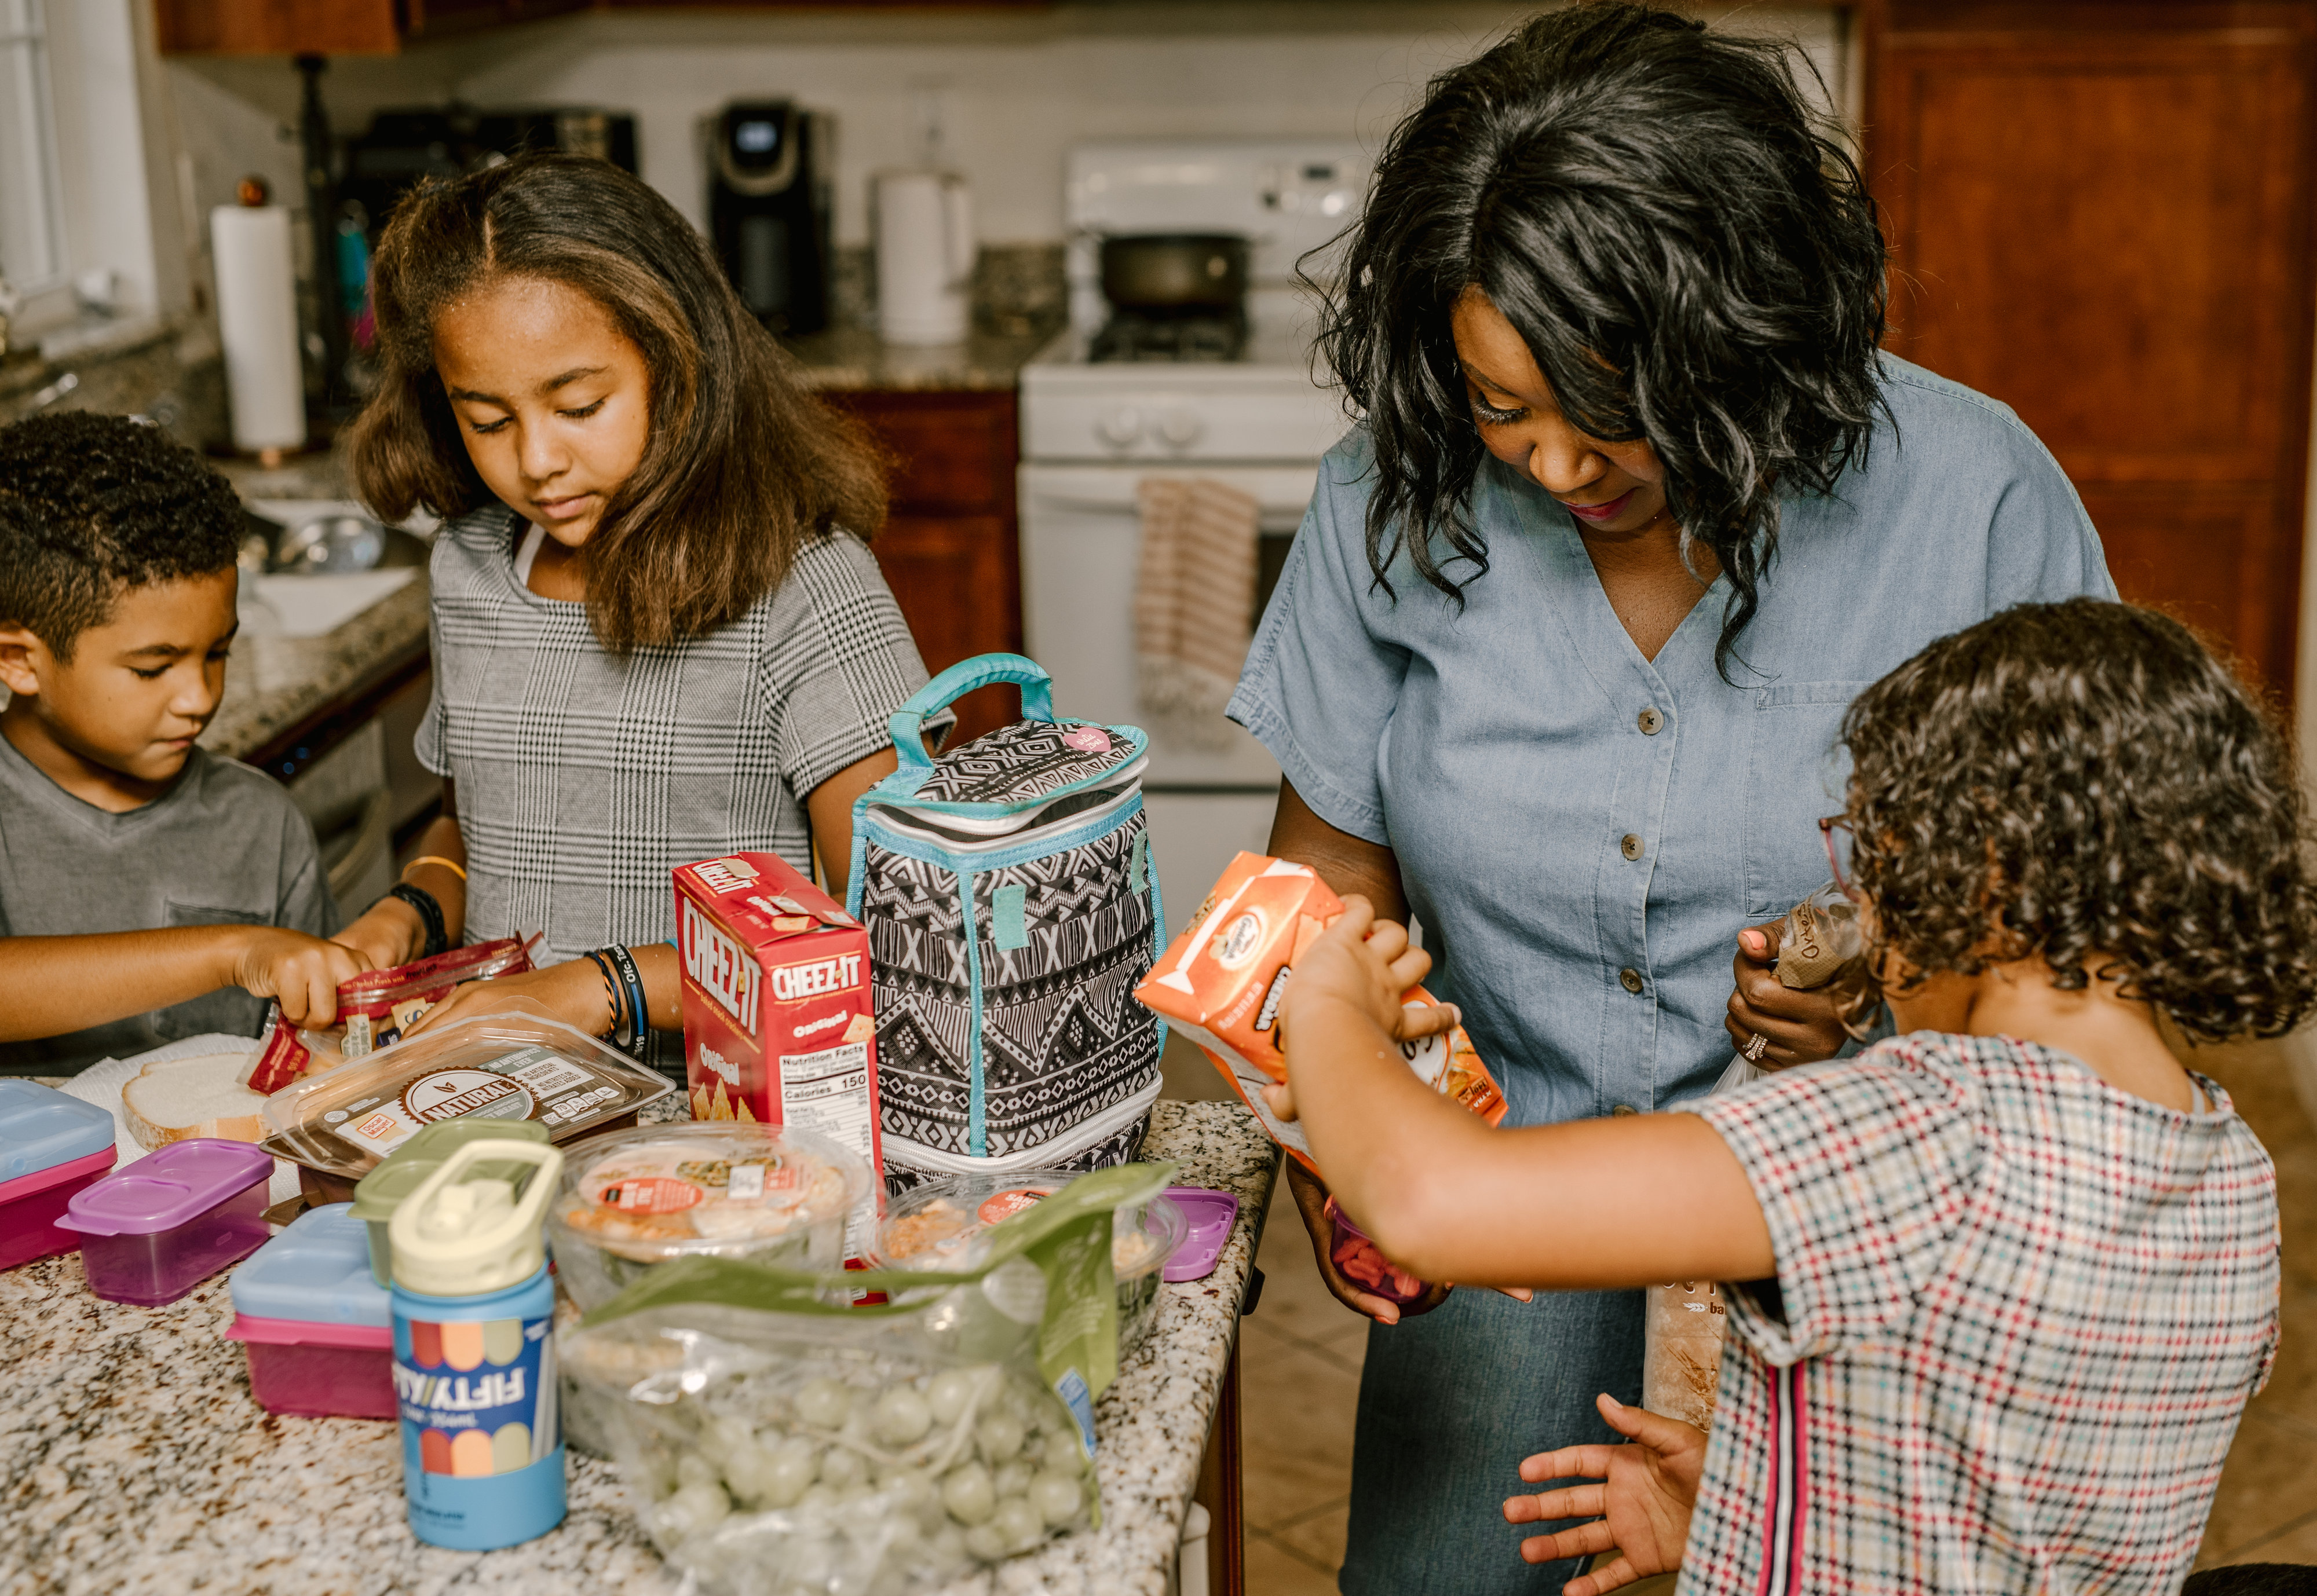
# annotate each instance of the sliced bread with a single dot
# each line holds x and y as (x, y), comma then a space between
(179, 1098)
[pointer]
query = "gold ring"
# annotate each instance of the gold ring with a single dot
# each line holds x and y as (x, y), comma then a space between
(1757, 1048)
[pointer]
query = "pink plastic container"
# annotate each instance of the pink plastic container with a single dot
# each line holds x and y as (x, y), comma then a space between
(319, 1332)
(152, 1232)
(1362, 1262)
(51, 1147)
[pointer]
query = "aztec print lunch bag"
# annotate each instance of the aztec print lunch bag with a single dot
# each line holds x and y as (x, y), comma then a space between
(1012, 906)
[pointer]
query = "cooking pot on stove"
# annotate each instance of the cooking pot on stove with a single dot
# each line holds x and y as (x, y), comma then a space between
(1163, 273)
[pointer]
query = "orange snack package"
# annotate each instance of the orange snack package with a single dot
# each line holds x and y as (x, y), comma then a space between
(1220, 983)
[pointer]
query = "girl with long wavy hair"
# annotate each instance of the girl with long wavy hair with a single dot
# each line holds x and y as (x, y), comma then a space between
(658, 632)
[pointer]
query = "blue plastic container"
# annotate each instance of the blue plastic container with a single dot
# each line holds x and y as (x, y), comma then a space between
(52, 1147)
(319, 1330)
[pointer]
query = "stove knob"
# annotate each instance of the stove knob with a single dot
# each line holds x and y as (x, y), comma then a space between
(1181, 428)
(1120, 426)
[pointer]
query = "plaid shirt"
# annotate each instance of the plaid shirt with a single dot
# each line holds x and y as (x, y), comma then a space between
(584, 777)
(2016, 1316)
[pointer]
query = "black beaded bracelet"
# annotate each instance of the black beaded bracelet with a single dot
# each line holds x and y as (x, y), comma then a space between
(430, 914)
(638, 1013)
(611, 991)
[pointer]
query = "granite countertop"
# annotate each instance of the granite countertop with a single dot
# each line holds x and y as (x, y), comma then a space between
(853, 358)
(133, 1459)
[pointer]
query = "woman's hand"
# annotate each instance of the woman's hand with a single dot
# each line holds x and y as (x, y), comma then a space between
(1793, 1026)
(1310, 1194)
(299, 971)
(572, 992)
(1642, 1507)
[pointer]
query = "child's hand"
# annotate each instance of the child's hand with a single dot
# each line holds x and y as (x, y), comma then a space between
(572, 992)
(1367, 963)
(1641, 1508)
(302, 972)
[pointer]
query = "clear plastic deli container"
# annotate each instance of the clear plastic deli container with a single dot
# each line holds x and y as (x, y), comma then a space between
(633, 1199)
(152, 1232)
(319, 1330)
(937, 1226)
(380, 1193)
(500, 1067)
(51, 1146)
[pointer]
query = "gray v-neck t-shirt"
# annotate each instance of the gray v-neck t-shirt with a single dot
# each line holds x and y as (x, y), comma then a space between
(224, 846)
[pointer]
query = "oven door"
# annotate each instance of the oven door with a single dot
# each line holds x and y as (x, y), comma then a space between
(1081, 535)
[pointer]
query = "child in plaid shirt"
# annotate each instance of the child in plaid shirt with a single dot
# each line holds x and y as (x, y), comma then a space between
(2000, 1286)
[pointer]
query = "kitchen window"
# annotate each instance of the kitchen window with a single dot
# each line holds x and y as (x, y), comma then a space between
(31, 211)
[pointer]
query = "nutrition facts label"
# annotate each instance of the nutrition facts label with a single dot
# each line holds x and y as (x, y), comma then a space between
(828, 1092)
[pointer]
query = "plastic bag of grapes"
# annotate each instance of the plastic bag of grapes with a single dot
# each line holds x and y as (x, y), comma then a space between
(785, 1441)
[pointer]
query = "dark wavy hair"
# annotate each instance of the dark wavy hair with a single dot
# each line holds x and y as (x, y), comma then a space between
(2086, 783)
(1687, 251)
(94, 506)
(742, 465)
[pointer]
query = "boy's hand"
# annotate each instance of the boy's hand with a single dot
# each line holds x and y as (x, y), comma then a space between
(1641, 1508)
(388, 933)
(302, 972)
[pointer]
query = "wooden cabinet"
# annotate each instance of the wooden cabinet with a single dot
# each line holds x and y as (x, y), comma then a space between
(2100, 214)
(381, 27)
(949, 548)
(332, 27)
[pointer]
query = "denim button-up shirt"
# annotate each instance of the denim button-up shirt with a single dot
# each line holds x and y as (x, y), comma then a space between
(1582, 831)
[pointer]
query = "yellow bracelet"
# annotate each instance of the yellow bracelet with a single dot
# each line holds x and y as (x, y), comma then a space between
(456, 870)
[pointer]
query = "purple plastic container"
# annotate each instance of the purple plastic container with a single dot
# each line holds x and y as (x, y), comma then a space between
(152, 1232)
(1211, 1216)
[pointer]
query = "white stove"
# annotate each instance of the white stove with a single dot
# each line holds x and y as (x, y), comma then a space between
(1093, 429)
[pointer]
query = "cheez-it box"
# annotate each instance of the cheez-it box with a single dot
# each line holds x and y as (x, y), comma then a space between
(779, 1025)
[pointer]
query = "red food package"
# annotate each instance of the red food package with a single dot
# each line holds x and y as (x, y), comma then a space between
(1220, 983)
(779, 1024)
(377, 1006)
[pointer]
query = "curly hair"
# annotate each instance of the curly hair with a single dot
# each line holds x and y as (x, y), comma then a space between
(742, 465)
(92, 506)
(1688, 253)
(2085, 783)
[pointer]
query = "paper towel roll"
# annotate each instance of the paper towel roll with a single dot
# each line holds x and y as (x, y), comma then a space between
(257, 322)
(925, 256)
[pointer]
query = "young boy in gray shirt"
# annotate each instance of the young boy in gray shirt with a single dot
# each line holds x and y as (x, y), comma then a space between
(149, 889)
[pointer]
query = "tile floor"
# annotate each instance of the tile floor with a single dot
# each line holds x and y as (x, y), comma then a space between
(1300, 1367)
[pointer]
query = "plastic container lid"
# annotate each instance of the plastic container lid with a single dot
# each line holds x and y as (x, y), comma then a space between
(317, 1270)
(466, 1232)
(41, 1127)
(171, 1186)
(663, 1192)
(935, 1226)
(382, 1190)
(1210, 1215)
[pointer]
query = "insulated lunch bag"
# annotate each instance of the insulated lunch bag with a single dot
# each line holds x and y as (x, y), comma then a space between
(1012, 906)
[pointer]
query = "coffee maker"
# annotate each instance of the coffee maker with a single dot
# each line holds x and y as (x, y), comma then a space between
(769, 195)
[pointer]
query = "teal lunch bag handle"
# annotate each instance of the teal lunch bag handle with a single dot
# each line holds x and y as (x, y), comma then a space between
(908, 723)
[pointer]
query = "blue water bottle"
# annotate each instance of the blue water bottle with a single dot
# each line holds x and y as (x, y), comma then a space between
(474, 1349)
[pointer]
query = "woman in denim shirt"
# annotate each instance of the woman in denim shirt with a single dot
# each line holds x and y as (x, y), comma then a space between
(1556, 666)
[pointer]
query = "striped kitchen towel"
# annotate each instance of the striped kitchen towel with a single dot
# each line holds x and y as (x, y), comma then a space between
(1194, 603)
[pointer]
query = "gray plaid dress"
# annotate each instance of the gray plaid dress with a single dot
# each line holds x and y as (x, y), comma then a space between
(585, 778)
